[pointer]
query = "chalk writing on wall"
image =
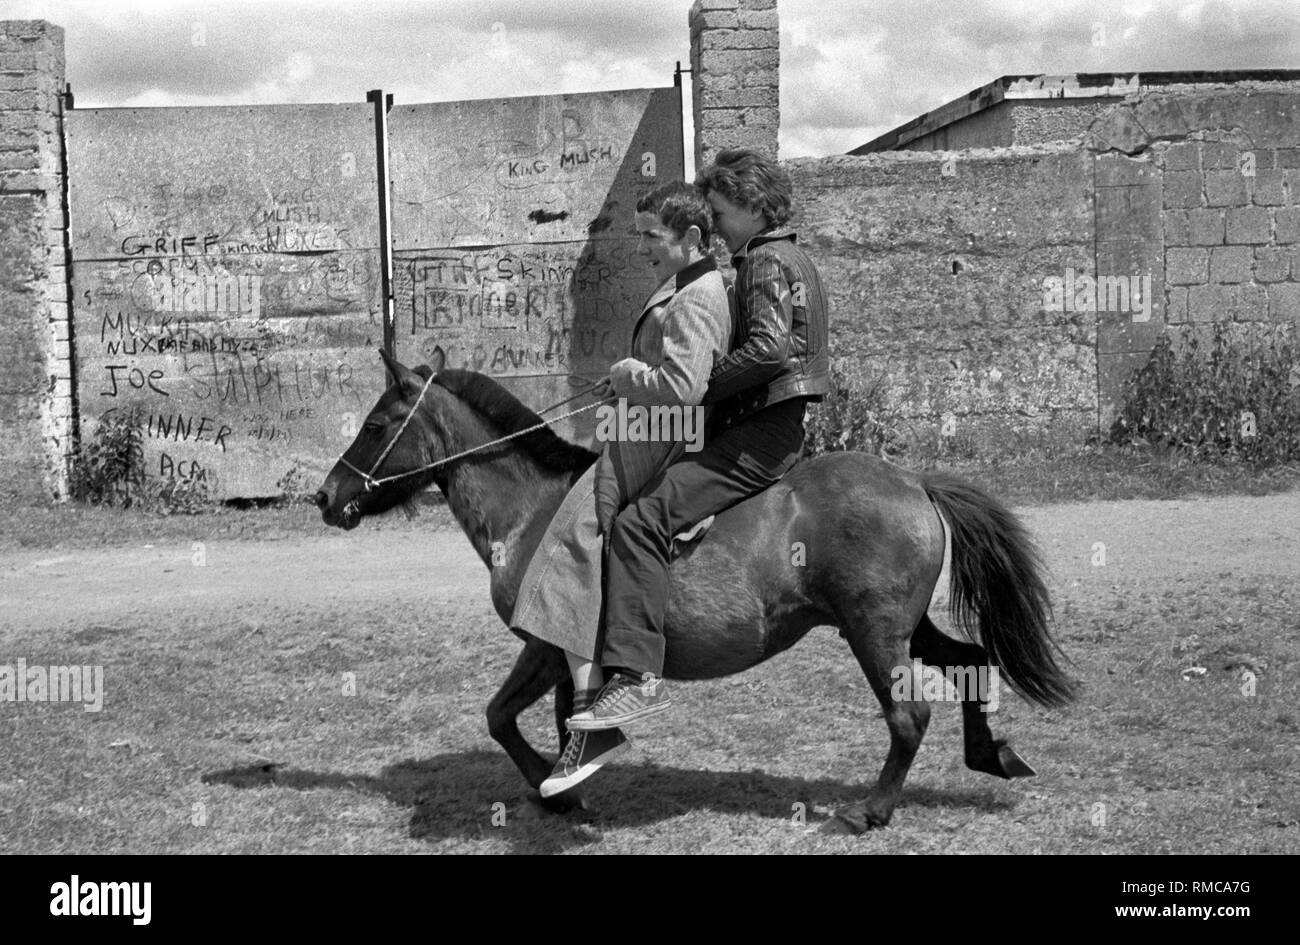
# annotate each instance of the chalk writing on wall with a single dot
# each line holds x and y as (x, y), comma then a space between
(526, 309)
(231, 305)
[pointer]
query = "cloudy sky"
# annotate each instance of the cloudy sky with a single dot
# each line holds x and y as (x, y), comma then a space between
(850, 69)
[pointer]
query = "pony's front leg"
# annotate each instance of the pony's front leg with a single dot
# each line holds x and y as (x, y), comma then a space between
(539, 667)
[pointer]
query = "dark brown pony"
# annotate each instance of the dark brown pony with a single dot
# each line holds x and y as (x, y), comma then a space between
(845, 539)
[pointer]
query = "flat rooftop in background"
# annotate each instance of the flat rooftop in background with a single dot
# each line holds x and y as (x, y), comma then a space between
(930, 130)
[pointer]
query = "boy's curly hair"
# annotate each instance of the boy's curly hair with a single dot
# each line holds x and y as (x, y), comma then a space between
(750, 180)
(679, 206)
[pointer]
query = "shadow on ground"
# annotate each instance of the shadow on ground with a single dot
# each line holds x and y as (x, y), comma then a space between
(468, 795)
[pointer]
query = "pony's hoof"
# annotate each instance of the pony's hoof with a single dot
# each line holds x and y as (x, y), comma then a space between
(839, 826)
(848, 822)
(1013, 766)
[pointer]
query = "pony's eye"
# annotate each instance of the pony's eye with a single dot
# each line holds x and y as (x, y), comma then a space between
(372, 426)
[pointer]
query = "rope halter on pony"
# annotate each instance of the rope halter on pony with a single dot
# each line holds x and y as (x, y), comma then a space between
(372, 483)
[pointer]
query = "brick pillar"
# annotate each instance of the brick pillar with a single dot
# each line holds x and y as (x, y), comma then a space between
(35, 345)
(735, 62)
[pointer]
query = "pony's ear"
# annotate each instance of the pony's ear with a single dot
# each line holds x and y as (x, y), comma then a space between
(437, 359)
(396, 368)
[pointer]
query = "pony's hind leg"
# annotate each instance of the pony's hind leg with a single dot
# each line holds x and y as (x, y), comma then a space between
(964, 660)
(880, 646)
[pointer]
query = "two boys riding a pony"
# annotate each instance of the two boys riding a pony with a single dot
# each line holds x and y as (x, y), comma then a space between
(754, 369)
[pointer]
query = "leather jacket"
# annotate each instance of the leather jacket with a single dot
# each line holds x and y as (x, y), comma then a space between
(780, 331)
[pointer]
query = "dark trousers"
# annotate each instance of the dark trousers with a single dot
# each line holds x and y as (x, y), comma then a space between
(736, 462)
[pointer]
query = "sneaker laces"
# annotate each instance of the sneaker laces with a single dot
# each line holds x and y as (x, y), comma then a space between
(573, 750)
(614, 689)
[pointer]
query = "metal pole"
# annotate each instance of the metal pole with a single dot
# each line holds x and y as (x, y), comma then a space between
(687, 108)
(382, 104)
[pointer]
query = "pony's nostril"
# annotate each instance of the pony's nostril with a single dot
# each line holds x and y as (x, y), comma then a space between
(322, 500)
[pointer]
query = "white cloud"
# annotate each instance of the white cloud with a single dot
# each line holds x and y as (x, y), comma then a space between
(299, 68)
(1189, 14)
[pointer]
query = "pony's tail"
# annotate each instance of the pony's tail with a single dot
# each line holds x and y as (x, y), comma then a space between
(997, 587)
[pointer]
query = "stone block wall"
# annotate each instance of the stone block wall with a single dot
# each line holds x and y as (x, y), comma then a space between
(35, 345)
(935, 267)
(1220, 213)
(1180, 205)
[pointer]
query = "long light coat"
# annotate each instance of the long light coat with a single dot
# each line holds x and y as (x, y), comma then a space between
(684, 328)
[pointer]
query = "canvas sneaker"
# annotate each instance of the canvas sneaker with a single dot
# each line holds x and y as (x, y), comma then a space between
(582, 757)
(625, 699)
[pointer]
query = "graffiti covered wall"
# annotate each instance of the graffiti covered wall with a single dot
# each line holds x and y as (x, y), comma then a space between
(513, 232)
(226, 283)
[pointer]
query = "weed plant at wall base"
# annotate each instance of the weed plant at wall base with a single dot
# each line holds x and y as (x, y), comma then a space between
(109, 470)
(851, 417)
(1238, 400)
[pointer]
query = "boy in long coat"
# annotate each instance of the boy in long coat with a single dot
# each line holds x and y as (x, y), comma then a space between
(683, 330)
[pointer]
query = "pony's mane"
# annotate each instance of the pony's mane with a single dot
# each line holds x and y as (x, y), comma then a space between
(504, 411)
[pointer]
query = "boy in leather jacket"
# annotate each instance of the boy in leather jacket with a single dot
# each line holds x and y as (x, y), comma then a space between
(777, 365)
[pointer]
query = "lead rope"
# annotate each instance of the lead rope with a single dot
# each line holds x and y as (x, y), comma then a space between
(581, 393)
(369, 477)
